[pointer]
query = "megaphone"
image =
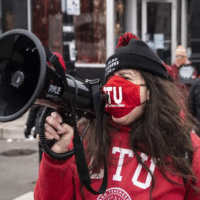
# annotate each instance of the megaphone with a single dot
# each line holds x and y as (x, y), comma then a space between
(26, 78)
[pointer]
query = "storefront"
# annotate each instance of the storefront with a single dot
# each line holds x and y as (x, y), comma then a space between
(163, 23)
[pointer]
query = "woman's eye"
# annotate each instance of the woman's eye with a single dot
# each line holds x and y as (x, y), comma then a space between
(126, 77)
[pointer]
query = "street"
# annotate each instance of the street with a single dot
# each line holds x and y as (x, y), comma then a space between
(18, 173)
(19, 162)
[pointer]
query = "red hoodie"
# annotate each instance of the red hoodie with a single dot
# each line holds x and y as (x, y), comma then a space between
(127, 179)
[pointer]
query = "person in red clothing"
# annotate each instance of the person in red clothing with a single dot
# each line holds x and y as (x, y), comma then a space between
(184, 73)
(150, 150)
(183, 69)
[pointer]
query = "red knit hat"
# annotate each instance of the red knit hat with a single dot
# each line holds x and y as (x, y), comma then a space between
(61, 60)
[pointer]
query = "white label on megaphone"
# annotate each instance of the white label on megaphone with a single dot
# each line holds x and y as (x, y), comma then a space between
(54, 89)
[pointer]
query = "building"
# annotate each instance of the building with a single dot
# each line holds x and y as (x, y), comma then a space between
(165, 23)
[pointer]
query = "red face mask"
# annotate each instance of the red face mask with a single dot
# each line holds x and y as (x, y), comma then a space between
(124, 96)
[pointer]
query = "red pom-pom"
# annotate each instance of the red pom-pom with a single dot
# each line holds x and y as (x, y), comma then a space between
(61, 60)
(125, 38)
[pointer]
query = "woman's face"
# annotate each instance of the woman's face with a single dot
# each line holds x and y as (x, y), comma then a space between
(136, 78)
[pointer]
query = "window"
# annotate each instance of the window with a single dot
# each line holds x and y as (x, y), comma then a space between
(47, 23)
(90, 32)
(14, 15)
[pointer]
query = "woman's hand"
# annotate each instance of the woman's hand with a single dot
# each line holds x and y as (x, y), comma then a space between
(62, 133)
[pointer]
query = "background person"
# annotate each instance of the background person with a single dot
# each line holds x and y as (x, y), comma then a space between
(31, 120)
(184, 73)
(150, 150)
(183, 69)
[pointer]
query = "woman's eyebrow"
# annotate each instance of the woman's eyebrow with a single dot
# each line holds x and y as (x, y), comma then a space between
(129, 74)
(125, 73)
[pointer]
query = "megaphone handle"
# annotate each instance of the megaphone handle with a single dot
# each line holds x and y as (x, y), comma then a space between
(66, 117)
(45, 143)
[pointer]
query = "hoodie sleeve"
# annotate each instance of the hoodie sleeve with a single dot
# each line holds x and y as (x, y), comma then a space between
(195, 195)
(55, 180)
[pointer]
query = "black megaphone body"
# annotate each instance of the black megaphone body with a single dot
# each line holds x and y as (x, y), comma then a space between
(27, 79)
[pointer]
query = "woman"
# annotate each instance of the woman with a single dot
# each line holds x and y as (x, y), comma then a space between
(150, 150)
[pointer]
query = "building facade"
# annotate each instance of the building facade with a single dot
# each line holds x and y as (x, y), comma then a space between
(96, 27)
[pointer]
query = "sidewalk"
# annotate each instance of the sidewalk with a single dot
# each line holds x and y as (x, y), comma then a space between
(18, 172)
(13, 129)
(17, 184)
(27, 196)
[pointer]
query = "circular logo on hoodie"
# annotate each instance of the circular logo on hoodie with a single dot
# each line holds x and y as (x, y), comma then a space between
(114, 194)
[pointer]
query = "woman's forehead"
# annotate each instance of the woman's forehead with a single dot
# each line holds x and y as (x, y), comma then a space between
(128, 71)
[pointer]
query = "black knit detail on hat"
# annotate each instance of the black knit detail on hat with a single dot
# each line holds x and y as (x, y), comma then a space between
(136, 55)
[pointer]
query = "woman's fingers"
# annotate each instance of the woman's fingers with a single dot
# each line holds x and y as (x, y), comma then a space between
(50, 132)
(66, 129)
(54, 123)
(47, 136)
(62, 133)
(38, 137)
(57, 116)
(62, 145)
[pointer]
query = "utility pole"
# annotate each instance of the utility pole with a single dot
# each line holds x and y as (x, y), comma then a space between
(195, 33)
(69, 9)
